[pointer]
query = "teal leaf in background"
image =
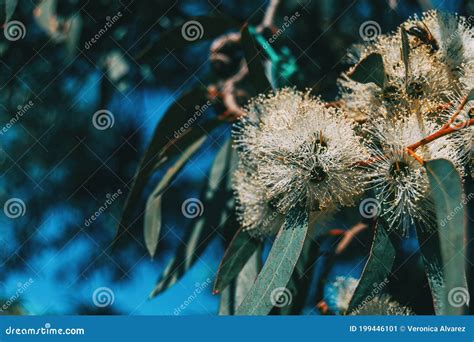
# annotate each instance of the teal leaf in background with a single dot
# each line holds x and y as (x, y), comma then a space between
(377, 268)
(370, 69)
(279, 265)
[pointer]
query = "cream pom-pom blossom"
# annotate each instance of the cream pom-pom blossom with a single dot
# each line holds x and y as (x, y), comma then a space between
(438, 68)
(400, 181)
(296, 151)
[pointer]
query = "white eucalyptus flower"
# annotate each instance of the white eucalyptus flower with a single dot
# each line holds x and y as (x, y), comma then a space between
(398, 179)
(439, 65)
(304, 153)
(254, 213)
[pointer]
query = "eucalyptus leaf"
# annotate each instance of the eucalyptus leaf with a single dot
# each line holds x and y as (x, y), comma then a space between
(405, 52)
(218, 205)
(370, 69)
(153, 206)
(7, 8)
(162, 147)
(447, 194)
(279, 265)
(377, 268)
(254, 61)
(240, 249)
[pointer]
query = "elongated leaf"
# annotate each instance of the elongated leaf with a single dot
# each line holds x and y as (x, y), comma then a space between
(194, 30)
(370, 69)
(254, 62)
(7, 8)
(405, 52)
(218, 204)
(470, 96)
(235, 257)
(247, 276)
(162, 140)
(279, 265)
(153, 206)
(447, 193)
(300, 281)
(377, 269)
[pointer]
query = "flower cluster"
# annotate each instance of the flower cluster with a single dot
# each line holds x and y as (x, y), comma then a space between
(296, 150)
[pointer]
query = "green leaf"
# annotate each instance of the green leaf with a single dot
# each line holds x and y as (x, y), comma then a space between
(163, 146)
(447, 194)
(7, 8)
(377, 269)
(153, 206)
(279, 265)
(405, 52)
(370, 69)
(194, 30)
(300, 281)
(254, 61)
(470, 96)
(218, 212)
(241, 248)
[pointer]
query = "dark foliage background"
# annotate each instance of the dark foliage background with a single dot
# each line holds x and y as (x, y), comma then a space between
(63, 168)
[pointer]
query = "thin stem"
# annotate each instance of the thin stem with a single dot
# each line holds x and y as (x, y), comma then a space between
(441, 133)
(456, 113)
